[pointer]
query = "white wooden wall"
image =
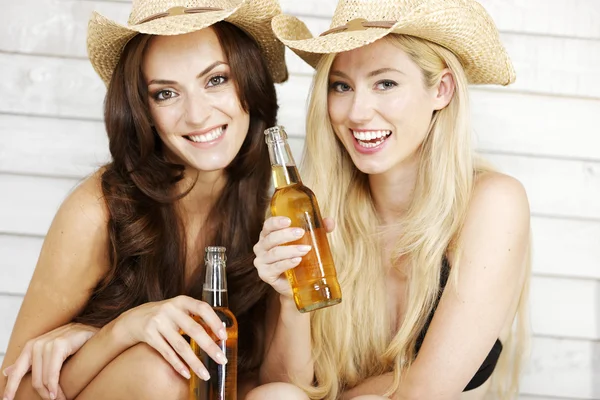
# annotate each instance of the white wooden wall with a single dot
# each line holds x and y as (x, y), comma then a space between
(544, 130)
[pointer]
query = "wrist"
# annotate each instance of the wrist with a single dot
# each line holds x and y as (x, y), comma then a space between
(117, 332)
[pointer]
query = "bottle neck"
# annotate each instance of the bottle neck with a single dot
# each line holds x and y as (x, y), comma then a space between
(215, 283)
(283, 165)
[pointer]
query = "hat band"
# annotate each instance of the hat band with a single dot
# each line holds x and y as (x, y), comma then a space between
(359, 24)
(179, 11)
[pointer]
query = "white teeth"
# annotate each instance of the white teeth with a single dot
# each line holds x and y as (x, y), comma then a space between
(369, 145)
(207, 137)
(370, 135)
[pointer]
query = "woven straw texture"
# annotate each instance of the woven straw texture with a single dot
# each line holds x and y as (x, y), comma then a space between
(106, 39)
(462, 26)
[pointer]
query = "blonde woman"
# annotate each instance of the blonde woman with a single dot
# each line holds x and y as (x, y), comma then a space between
(431, 245)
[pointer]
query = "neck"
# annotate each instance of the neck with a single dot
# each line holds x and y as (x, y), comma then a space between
(392, 191)
(204, 193)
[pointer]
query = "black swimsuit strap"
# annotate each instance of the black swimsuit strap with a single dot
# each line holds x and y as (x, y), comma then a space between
(489, 364)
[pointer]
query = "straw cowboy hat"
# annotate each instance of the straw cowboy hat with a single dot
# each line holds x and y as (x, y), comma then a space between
(462, 26)
(107, 39)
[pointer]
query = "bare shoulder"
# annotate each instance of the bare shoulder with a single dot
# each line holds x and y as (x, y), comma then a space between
(85, 204)
(498, 217)
(499, 195)
(78, 238)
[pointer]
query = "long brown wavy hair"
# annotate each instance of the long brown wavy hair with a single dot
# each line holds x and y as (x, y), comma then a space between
(147, 242)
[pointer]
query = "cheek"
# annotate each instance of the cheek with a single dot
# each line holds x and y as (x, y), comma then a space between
(229, 103)
(337, 109)
(165, 119)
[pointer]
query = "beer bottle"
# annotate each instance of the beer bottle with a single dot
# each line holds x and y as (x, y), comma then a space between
(314, 281)
(222, 384)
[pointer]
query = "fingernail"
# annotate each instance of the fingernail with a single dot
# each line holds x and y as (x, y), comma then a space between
(52, 396)
(221, 358)
(223, 334)
(285, 221)
(5, 374)
(299, 232)
(186, 373)
(204, 374)
(304, 247)
(296, 260)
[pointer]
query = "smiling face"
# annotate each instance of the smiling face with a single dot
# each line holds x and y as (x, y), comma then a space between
(379, 106)
(193, 101)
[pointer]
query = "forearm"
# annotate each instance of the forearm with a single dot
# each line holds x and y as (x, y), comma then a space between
(290, 352)
(97, 353)
(376, 385)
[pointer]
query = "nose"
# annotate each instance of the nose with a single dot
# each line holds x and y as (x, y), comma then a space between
(197, 109)
(361, 110)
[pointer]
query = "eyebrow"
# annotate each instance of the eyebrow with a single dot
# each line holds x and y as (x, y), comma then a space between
(200, 75)
(383, 71)
(370, 75)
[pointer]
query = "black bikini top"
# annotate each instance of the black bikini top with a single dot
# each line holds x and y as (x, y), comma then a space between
(486, 369)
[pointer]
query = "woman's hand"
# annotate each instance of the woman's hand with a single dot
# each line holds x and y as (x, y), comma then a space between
(159, 324)
(45, 356)
(273, 259)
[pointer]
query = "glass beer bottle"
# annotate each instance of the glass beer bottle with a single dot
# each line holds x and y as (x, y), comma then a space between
(222, 384)
(314, 281)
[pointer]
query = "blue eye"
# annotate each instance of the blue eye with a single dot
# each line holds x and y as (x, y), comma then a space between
(386, 85)
(340, 87)
(163, 95)
(217, 80)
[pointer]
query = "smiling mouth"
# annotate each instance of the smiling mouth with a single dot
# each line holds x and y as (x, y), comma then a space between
(209, 136)
(370, 139)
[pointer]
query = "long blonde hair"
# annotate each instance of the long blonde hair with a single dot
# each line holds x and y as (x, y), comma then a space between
(352, 341)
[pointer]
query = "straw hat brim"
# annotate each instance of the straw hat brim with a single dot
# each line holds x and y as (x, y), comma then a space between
(470, 36)
(107, 39)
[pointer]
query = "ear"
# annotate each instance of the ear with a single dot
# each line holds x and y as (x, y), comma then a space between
(445, 90)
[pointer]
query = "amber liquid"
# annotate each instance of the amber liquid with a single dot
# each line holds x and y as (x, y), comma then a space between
(314, 282)
(222, 384)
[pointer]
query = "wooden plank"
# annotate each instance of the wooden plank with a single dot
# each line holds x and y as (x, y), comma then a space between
(58, 147)
(537, 125)
(28, 203)
(49, 86)
(556, 187)
(578, 18)
(63, 34)
(19, 256)
(563, 247)
(9, 308)
(563, 368)
(565, 307)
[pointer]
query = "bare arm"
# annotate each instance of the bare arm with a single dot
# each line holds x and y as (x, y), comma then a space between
(471, 316)
(288, 340)
(72, 261)
(288, 343)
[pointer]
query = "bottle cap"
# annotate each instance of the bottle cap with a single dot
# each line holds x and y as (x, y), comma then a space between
(275, 133)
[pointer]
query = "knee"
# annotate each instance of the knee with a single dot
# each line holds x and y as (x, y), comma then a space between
(277, 390)
(151, 376)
